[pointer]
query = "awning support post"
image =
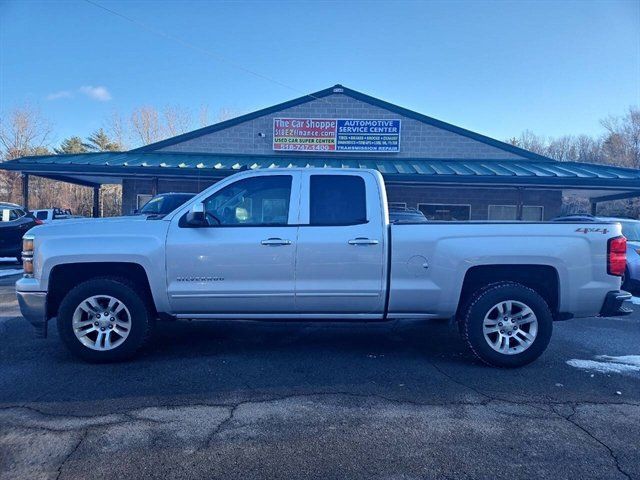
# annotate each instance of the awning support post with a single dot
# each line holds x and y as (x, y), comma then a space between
(519, 206)
(25, 190)
(594, 208)
(96, 201)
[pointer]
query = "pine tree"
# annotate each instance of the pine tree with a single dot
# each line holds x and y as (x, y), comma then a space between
(99, 141)
(72, 145)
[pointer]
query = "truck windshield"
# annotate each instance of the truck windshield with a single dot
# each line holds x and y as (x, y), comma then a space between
(631, 230)
(163, 204)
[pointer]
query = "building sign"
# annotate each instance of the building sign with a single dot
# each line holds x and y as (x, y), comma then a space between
(336, 135)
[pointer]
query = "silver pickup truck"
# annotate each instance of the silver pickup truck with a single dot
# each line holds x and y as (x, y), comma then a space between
(315, 244)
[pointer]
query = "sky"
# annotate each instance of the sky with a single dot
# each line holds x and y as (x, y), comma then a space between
(494, 67)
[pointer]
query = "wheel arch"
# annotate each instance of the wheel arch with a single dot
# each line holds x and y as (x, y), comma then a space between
(64, 277)
(544, 279)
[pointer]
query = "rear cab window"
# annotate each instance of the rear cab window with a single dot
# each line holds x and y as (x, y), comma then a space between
(337, 200)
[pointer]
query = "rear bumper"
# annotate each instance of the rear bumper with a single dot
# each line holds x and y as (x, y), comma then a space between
(33, 306)
(613, 304)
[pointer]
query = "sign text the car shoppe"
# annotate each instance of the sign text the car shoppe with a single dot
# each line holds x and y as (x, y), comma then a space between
(336, 135)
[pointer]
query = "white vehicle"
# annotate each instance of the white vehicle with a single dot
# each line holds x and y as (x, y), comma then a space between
(316, 244)
(47, 215)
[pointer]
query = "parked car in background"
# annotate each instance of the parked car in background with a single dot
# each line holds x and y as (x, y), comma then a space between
(164, 203)
(15, 221)
(631, 230)
(406, 215)
(47, 215)
(316, 244)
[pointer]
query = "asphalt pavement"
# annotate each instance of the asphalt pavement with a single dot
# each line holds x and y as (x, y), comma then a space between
(346, 401)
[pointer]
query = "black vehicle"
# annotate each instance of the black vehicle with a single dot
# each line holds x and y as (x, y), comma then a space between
(15, 221)
(164, 203)
(406, 215)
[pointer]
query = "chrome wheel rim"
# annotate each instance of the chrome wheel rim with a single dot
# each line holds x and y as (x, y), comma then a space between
(510, 327)
(101, 322)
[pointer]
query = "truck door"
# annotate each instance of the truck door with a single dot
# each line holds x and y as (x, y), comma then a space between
(340, 265)
(243, 262)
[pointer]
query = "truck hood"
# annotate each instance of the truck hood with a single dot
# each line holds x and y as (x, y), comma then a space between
(98, 226)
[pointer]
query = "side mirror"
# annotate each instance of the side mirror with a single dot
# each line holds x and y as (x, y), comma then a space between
(195, 217)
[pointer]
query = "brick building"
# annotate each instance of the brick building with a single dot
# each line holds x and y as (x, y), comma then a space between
(447, 172)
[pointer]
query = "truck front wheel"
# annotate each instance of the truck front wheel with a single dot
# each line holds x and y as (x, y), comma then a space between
(104, 320)
(506, 324)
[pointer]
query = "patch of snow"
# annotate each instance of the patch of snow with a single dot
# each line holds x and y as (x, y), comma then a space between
(635, 300)
(10, 272)
(609, 364)
(627, 359)
(8, 259)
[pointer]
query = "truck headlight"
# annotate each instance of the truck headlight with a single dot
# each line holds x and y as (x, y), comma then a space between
(27, 255)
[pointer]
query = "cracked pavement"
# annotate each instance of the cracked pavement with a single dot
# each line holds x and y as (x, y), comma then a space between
(289, 400)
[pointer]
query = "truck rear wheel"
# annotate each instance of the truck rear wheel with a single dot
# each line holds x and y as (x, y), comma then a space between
(104, 320)
(506, 324)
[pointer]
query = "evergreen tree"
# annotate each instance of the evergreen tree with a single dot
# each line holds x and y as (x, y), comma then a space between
(99, 141)
(72, 145)
(38, 151)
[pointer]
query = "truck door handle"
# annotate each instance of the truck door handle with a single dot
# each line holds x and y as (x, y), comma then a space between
(363, 241)
(275, 242)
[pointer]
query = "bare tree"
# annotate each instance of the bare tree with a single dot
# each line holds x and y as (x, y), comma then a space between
(530, 141)
(22, 131)
(177, 120)
(561, 148)
(203, 115)
(588, 149)
(623, 137)
(226, 113)
(146, 127)
(118, 130)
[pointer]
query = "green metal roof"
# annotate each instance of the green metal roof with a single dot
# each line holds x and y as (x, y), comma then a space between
(420, 170)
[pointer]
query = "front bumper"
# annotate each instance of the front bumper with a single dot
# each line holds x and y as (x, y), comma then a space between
(613, 304)
(33, 306)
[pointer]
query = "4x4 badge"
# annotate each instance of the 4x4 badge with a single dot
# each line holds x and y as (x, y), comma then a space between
(604, 231)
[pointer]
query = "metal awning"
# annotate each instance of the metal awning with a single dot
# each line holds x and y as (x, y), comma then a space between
(111, 167)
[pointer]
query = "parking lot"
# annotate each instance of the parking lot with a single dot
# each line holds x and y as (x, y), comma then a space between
(291, 400)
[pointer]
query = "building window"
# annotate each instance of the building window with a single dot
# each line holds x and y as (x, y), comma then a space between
(503, 212)
(530, 213)
(445, 212)
(142, 199)
(397, 205)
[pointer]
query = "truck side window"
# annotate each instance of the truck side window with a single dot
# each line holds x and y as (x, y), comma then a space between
(254, 201)
(337, 200)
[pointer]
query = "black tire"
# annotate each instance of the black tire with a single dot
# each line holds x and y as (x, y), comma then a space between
(142, 320)
(482, 302)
